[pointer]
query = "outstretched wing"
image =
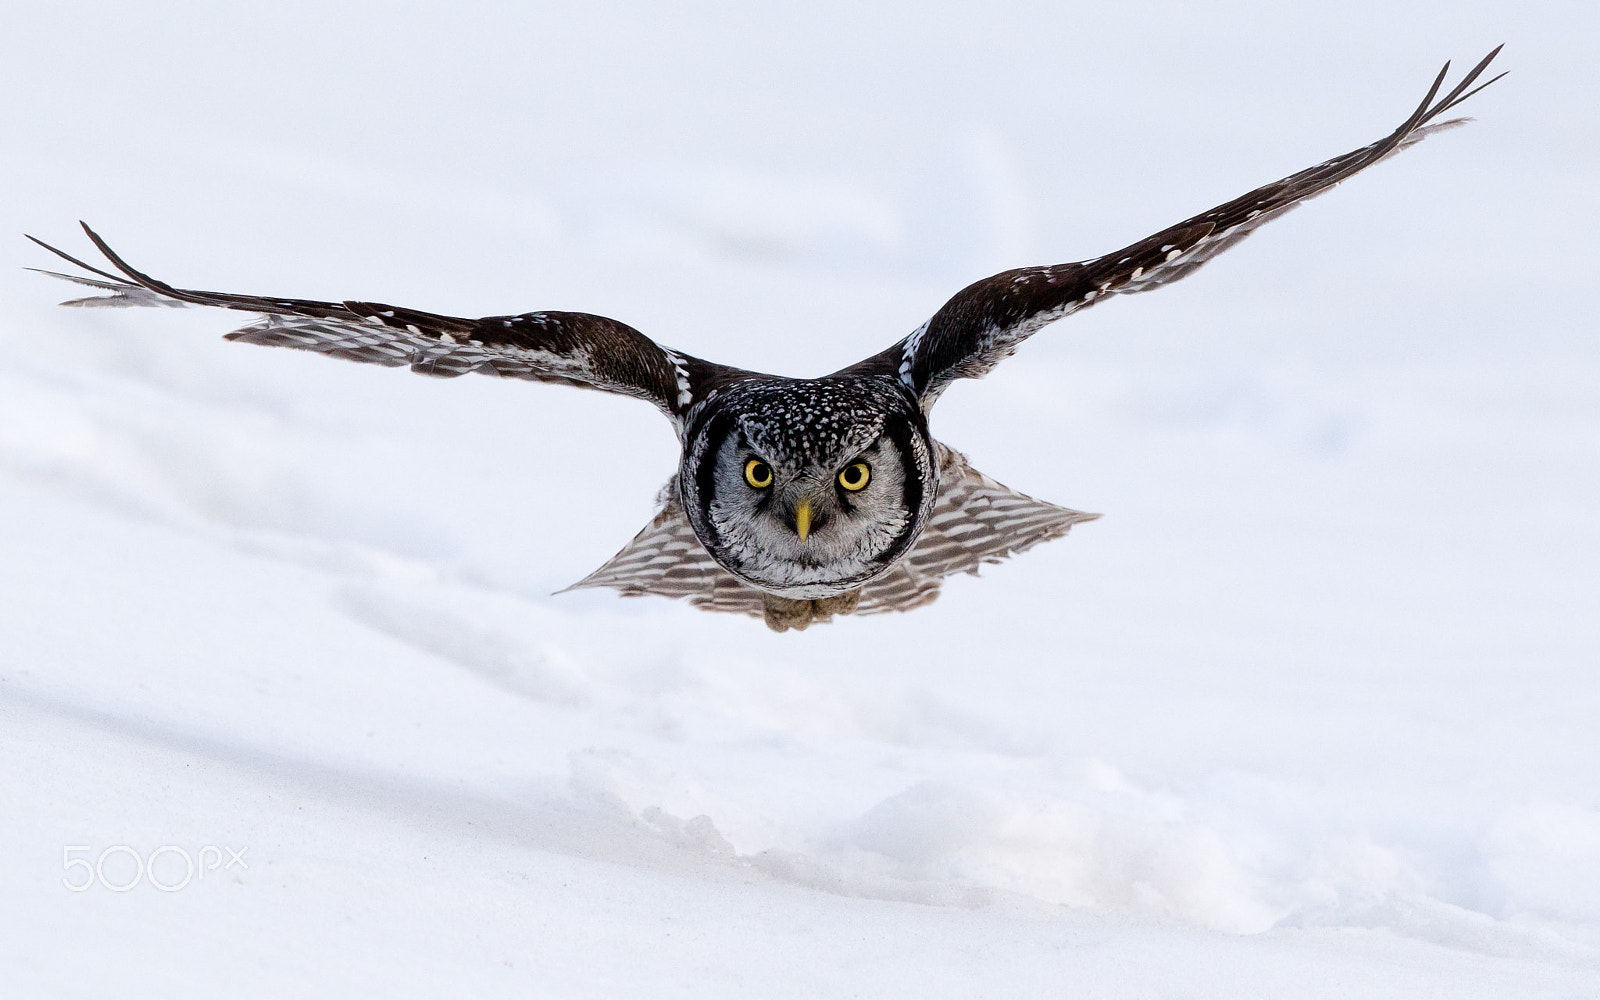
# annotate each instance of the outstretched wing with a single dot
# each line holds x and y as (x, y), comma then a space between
(563, 347)
(976, 521)
(985, 322)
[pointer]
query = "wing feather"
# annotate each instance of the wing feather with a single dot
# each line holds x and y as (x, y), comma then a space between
(666, 559)
(565, 348)
(976, 521)
(986, 321)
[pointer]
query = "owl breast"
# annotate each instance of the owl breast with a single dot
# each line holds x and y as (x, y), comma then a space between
(808, 488)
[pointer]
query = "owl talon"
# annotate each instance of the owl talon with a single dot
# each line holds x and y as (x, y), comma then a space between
(842, 604)
(783, 614)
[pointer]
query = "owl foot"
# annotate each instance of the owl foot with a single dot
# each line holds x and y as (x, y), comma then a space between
(783, 614)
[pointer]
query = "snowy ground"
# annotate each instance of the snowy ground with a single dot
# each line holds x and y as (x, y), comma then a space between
(1311, 712)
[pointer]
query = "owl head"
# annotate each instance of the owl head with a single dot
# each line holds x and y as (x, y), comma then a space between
(808, 488)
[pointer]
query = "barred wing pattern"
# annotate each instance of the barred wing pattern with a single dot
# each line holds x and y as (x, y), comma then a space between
(667, 559)
(986, 322)
(561, 347)
(976, 521)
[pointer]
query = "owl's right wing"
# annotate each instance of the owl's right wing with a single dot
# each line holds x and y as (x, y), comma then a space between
(985, 322)
(567, 348)
(667, 559)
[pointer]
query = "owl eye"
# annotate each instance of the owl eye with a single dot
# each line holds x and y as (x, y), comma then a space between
(855, 477)
(758, 473)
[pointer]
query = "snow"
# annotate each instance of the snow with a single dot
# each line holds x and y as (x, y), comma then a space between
(1309, 712)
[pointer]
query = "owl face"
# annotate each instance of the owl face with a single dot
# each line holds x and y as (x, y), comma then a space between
(809, 488)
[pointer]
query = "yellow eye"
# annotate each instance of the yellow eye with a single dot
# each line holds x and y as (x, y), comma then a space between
(758, 473)
(855, 477)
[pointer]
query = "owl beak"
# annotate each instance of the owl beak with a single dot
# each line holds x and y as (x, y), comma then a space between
(802, 519)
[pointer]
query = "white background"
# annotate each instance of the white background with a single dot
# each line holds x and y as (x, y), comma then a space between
(1309, 713)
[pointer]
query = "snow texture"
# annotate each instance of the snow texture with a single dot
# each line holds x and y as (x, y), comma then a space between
(1309, 713)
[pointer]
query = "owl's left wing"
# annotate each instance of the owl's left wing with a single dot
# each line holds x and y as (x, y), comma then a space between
(976, 521)
(567, 348)
(986, 321)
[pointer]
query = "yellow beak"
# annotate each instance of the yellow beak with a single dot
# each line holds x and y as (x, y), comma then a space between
(802, 519)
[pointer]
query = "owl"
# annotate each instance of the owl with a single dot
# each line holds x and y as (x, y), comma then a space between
(795, 499)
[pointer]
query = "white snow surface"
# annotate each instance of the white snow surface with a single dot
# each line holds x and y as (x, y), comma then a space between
(1311, 712)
